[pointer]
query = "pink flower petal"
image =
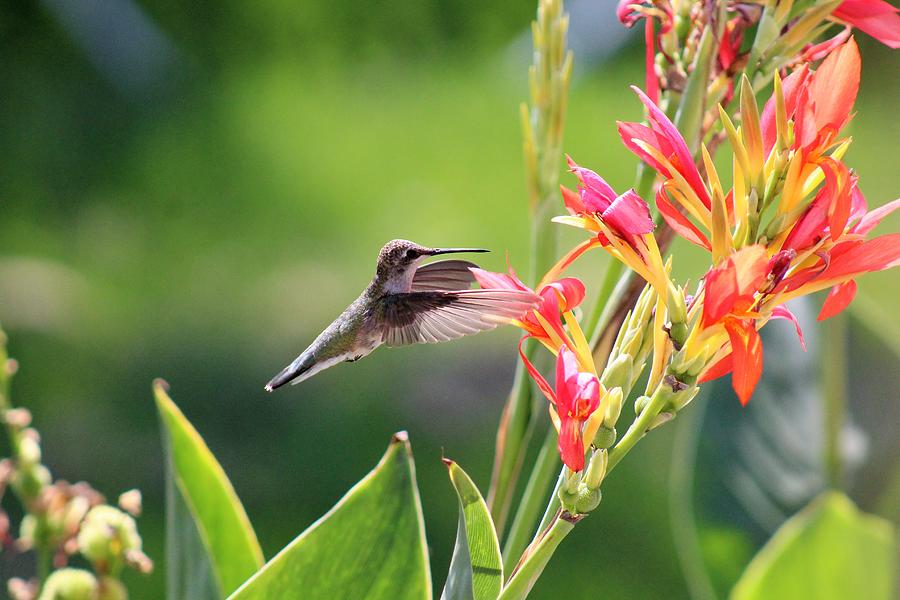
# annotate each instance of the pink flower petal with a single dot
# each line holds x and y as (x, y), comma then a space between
(783, 312)
(629, 214)
(874, 17)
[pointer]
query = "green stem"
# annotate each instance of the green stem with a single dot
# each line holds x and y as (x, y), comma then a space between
(545, 466)
(834, 381)
(681, 504)
(512, 441)
(531, 567)
(638, 427)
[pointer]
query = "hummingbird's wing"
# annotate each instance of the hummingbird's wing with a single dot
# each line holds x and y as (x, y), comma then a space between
(430, 317)
(443, 275)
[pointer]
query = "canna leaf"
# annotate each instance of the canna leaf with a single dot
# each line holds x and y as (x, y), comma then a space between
(211, 547)
(830, 550)
(370, 545)
(476, 570)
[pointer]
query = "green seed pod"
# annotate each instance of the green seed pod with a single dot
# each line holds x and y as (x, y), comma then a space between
(70, 584)
(587, 500)
(605, 438)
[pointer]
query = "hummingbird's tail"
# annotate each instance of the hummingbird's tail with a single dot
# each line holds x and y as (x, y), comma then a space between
(301, 365)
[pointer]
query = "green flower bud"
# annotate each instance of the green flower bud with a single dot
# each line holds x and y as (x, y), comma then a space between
(70, 584)
(30, 481)
(106, 535)
(614, 399)
(588, 499)
(605, 437)
(29, 453)
(617, 372)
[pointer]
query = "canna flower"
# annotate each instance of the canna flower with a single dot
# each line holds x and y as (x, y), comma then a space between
(558, 297)
(576, 397)
(621, 224)
(663, 148)
(875, 17)
(819, 102)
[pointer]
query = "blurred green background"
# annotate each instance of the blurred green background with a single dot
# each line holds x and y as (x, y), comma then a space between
(191, 191)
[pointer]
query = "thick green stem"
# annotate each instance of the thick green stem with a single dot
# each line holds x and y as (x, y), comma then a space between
(531, 567)
(545, 466)
(834, 382)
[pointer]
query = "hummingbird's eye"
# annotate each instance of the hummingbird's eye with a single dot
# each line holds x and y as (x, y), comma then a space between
(411, 254)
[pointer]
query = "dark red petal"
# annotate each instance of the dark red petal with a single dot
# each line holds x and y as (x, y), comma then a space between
(747, 357)
(838, 299)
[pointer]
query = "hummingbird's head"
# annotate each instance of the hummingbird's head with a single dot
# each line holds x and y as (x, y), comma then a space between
(398, 260)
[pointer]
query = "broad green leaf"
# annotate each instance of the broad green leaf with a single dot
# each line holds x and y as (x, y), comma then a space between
(476, 570)
(828, 550)
(370, 545)
(211, 546)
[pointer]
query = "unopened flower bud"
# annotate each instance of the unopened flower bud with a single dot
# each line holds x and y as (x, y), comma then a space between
(617, 372)
(70, 584)
(12, 367)
(130, 502)
(614, 399)
(580, 501)
(106, 535)
(596, 470)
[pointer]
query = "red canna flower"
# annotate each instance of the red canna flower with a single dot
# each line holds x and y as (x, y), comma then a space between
(543, 323)
(875, 17)
(661, 146)
(820, 101)
(621, 222)
(576, 397)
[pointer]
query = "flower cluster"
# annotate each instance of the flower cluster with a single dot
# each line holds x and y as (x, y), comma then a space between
(61, 519)
(793, 222)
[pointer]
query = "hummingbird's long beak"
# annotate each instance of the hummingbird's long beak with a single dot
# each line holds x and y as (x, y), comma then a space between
(436, 251)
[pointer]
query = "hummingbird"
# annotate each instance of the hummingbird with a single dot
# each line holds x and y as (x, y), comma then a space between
(409, 302)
